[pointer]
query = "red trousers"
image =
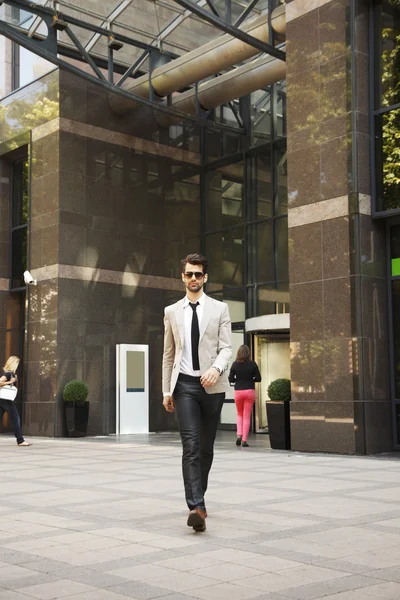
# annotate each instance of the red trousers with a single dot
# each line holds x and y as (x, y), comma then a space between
(244, 400)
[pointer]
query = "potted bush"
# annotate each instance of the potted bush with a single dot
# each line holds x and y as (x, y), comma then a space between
(76, 408)
(278, 414)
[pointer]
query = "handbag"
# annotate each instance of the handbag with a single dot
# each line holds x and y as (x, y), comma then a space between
(8, 392)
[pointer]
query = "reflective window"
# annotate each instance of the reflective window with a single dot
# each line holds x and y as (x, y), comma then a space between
(281, 199)
(387, 96)
(387, 20)
(28, 67)
(396, 335)
(388, 159)
(19, 211)
(225, 252)
(225, 197)
(282, 247)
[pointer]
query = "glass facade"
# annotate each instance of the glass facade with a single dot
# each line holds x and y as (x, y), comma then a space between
(246, 231)
(386, 104)
(19, 221)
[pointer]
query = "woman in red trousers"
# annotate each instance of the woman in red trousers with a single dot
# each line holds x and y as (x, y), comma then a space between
(244, 373)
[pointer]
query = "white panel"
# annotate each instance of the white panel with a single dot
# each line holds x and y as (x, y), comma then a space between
(228, 414)
(268, 323)
(132, 398)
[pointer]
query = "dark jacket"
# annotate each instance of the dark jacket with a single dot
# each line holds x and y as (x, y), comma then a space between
(244, 375)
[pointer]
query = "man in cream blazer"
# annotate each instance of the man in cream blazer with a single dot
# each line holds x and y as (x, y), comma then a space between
(197, 349)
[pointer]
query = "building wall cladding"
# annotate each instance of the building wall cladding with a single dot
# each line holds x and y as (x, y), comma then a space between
(339, 338)
(112, 214)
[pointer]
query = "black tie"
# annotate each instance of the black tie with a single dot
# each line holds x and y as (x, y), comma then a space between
(195, 337)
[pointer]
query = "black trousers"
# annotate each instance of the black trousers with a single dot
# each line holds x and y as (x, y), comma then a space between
(198, 417)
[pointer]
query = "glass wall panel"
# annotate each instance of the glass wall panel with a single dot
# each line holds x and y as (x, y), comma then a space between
(225, 252)
(281, 110)
(396, 335)
(262, 190)
(20, 193)
(281, 199)
(225, 197)
(387, 127)
(261, 115)
(398, 424)
(234, 297)
(281, 249)
(261, 252)
(18, 249)
(272, 300)
(29, 66)
(387, 97)
(387, 37)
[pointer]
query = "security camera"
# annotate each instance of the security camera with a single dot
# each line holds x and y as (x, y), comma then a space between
(29, 279)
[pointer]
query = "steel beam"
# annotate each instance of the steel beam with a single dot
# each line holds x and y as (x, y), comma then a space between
(234, 31)
(111, 17)
(37, 47)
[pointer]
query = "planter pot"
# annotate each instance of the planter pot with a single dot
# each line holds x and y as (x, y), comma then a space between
(278, 414)
(76, 419)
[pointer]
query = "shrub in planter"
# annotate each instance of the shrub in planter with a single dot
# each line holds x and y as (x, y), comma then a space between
(278, 414)
(279, 390)
(76, 408)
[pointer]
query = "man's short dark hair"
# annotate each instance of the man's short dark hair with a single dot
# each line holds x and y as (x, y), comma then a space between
(195, 259)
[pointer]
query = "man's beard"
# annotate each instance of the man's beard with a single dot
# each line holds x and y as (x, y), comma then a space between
(193, 288)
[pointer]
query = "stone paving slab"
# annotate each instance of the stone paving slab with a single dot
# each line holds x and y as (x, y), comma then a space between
(105, 519)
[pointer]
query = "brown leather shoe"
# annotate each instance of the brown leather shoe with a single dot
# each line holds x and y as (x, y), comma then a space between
(197, 519)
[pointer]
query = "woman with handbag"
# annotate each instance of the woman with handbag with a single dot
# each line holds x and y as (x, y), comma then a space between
(8, 395)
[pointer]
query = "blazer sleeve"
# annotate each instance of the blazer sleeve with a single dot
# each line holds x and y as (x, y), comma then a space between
(168, 355)
(232, 374)
(257, 374)
(224, 340)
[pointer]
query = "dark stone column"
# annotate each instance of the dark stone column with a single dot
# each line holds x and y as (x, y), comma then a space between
(339, 338)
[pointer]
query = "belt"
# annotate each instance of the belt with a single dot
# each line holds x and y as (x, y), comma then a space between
(188, 378)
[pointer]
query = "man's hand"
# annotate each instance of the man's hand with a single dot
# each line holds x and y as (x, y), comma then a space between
(168, 404)
(210, 377)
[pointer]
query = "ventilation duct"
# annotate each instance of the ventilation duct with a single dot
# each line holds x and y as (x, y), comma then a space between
(203, 62)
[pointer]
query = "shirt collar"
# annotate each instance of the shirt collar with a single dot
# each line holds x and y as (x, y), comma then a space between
(201, 300)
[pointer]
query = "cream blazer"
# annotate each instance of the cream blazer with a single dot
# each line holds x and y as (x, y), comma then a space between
(215, 345)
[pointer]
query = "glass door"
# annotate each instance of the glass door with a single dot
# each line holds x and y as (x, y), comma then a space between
(272, 354)
(228, 413)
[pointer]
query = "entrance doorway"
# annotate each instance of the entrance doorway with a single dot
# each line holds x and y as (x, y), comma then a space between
(272, 354)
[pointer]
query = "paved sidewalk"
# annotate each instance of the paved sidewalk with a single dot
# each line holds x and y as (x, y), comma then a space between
(95, 519)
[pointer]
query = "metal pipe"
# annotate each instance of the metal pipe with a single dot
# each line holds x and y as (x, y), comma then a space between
(199, 64)
(234, 84)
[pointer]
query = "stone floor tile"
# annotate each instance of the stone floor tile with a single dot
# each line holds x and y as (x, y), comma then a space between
(62, 588)
(14, 572)
(225, 590)
(34, 579)
(139, 590)
(146, 572)
(314, 591)
(99, 579)
(228, 572)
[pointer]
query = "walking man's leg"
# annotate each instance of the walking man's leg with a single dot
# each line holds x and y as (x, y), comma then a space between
(187, 407)
(211, 407)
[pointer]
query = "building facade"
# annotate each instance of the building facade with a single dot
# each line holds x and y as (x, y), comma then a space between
(291, 190)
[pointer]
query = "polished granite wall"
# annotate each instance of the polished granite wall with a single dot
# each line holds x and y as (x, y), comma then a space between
(112, 214)
(339, 337)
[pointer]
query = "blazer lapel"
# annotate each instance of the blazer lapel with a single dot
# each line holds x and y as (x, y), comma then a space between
(206, 316)
(180, 320)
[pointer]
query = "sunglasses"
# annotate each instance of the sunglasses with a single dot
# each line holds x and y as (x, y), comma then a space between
(197, 274)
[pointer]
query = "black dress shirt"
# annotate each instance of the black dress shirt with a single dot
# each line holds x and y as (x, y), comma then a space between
(244, 375)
